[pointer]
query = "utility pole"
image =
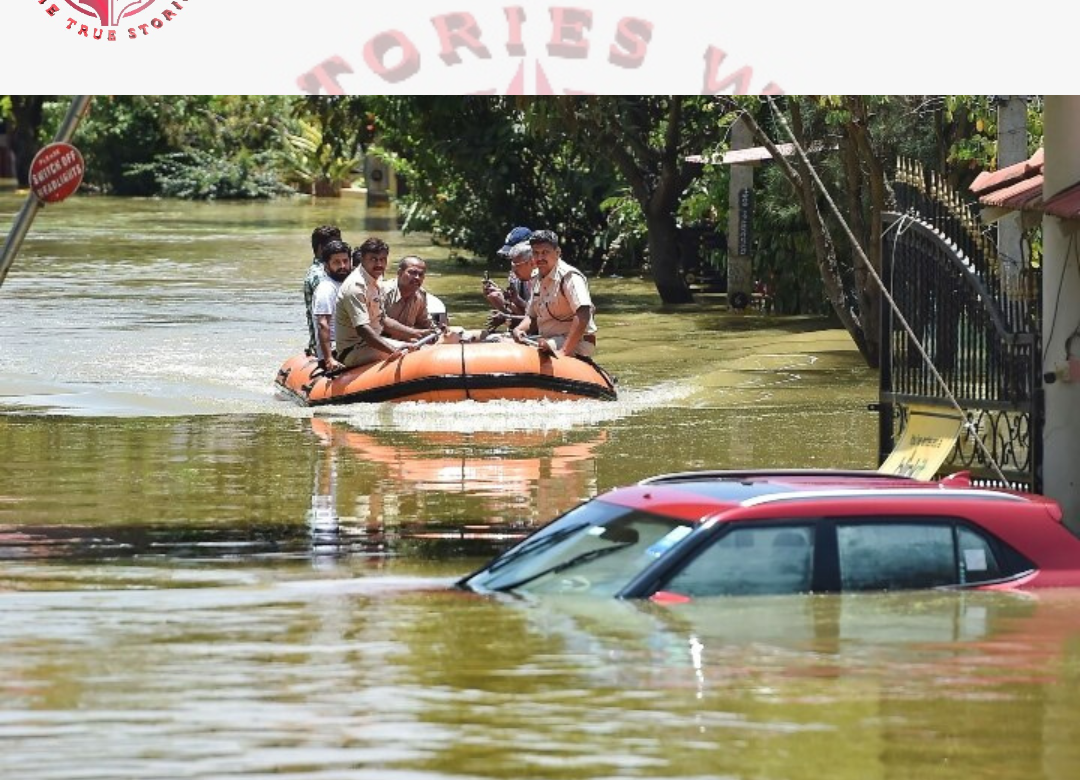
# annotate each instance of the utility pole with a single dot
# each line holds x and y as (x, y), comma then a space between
(1012, 149)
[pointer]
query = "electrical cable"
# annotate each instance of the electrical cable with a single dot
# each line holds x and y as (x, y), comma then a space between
(1057, 301)
(967, 424)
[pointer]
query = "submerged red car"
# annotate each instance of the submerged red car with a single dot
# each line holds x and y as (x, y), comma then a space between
(682, 536)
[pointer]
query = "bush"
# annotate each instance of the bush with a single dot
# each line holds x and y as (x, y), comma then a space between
(199, 175)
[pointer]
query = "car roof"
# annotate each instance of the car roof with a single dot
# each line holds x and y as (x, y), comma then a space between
(696, 495)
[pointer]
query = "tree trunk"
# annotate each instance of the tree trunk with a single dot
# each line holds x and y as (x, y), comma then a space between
(866, 287)
(824, 246)
(325, 187)
(26, 112)
(665, 260)
(829, 265)
(657, 179)
(798, 174)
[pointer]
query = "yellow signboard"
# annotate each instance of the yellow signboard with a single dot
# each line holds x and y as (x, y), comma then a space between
(925, 444)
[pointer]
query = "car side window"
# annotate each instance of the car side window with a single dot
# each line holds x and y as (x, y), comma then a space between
(978, 561)
(896, 556)
(751, 560)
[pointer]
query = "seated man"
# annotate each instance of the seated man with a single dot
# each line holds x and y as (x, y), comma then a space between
(406, 301)
(509, 305)
(316, 273)
(561, 305)
(338, 266)
(491, 290)
(359, 317)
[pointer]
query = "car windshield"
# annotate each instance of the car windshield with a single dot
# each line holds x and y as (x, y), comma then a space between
(597, 548)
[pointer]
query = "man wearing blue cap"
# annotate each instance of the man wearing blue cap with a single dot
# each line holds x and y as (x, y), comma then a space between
(509, 305)
(561, 306)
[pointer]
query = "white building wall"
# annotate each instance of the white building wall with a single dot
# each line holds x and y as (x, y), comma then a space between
(1061, 309)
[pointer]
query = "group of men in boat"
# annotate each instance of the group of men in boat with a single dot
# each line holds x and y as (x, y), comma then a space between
(356, 317)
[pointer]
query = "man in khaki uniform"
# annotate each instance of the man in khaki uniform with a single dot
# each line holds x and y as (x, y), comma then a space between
(560, 305)
(406, 300)
(359, 315)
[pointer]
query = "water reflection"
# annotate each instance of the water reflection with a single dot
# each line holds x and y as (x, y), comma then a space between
(364, 677)
(160, 615)
(205, 488)
(912, 685)
(445, 492)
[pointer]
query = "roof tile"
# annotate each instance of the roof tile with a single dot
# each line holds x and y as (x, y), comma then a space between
(1066, 204)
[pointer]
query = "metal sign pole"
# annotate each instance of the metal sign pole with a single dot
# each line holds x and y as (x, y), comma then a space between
(26, 215)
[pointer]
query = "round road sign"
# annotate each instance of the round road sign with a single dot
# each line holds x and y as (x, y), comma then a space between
(56, 172)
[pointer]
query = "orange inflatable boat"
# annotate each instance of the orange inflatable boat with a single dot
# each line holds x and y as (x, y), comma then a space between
(482, 371)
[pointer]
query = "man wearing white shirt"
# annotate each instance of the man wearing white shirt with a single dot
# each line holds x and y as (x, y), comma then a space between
(316, 273)
(337, 264)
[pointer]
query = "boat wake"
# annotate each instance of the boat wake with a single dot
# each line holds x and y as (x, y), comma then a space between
(504, 415)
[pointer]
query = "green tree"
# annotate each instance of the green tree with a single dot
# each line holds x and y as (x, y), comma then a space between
(856, 172)
(784, 260)
(224, 147)
(201, 146)
(476, 166)
(327, 140)
(648, 139)
(24, 114)
(861, 138)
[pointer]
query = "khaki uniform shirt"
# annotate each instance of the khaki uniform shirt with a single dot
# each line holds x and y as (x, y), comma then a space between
(556, 299)
(359, 302)
(412, 312)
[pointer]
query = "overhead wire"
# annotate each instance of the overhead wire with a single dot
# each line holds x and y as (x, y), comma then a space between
(1057, 301)
(968, 426)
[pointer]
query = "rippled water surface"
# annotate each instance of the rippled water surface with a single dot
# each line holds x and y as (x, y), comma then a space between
(200, 580)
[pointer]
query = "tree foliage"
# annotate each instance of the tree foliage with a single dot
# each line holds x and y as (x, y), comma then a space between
(199, 175)
(475, 167)
(24, 115)
(863, 136)
(608, 173)
(648, 139)
(479, 165)
(325, 145)
(200, 146)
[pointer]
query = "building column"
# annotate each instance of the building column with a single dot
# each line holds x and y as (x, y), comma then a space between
(1061, 309)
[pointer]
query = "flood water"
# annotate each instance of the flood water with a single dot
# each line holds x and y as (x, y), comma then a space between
(201, 580)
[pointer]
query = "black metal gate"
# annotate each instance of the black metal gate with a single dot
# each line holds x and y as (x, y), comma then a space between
(979, 326)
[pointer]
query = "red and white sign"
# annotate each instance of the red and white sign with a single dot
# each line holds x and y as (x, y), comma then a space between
(56, 172)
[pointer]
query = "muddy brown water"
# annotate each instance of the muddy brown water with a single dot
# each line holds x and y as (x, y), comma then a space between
(200, 580)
